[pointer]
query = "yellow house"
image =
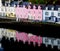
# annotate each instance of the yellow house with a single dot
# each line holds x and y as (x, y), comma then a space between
(10, 12)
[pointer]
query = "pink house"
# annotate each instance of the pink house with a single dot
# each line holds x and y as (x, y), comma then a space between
(18, 12)
(24, 13)
(39, 13)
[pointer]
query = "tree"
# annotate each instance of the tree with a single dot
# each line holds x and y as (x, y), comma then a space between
(57, 2)
(36, 1)
(44, 1)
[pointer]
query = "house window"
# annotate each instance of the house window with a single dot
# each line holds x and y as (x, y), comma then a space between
(38, 16)
(46, 13)
(47, 18)
(3, 14)
(28, 11)
(58, 14)
(34, 17)
(13, 10)
(34, 11)
(39, 12)
(5, 9)
(8, 9)
(21, 15)
(2, 9)
(52, 13)
(0, 14)
(58, 19)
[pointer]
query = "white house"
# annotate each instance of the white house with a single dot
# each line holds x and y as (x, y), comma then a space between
(50, 15)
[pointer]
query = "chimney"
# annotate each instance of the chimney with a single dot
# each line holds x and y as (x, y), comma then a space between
(52, 8)
(23, 6)
(5, 4)
(58, 9)
(8, 5)
(39, 7)
(29, 7)
(17, 5)
(46, 8)
(34, 7)
(14, 5)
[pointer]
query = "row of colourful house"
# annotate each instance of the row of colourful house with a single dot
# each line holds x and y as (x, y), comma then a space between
(47, 13)
(29, 37)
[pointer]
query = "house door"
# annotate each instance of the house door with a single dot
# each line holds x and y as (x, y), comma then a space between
(52, 19)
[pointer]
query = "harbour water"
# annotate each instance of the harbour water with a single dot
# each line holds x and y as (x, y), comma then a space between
(1, 49)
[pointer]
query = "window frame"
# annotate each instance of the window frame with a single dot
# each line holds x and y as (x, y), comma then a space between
(52, 13)
(46, 13)
(58, 14)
